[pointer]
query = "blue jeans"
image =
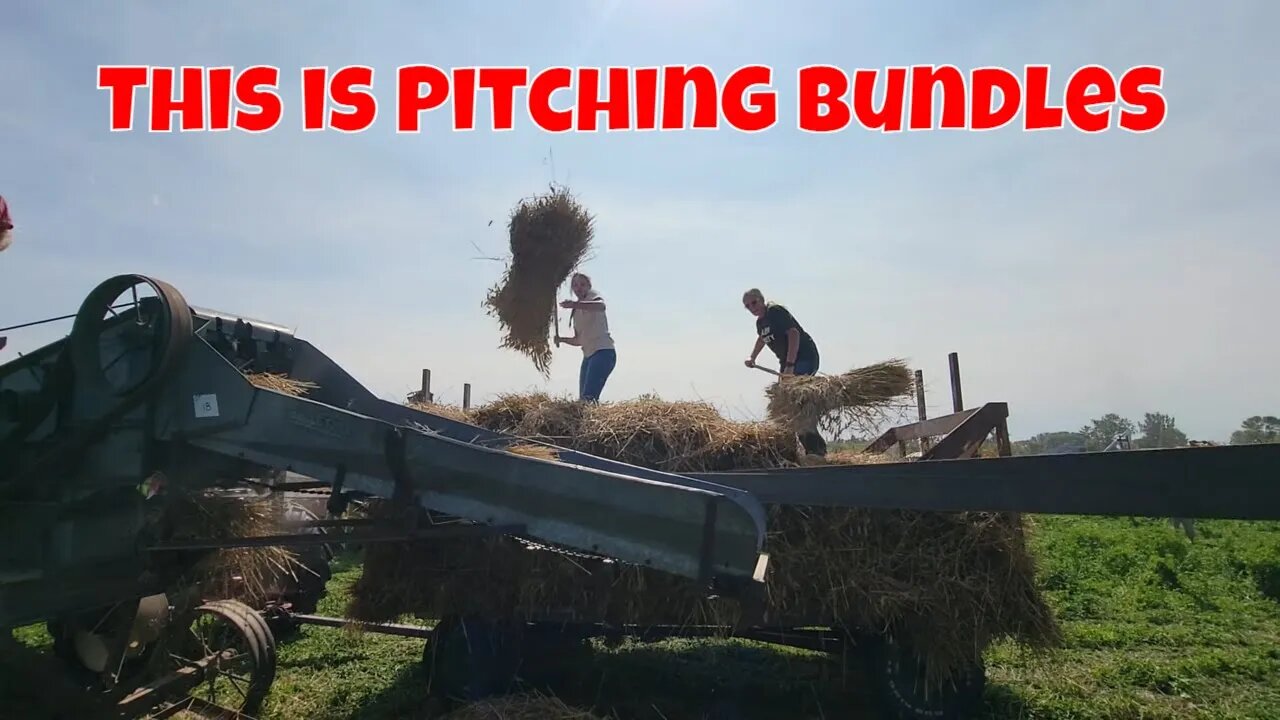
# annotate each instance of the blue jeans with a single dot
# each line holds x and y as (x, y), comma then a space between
(806, 367)
(812, 440)
(593, 373)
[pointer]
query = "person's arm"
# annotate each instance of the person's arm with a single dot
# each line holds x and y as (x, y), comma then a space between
(793, 347)
(596, 304)
(755, 352)
(781, 321)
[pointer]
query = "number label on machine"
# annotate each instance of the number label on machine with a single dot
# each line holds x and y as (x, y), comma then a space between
(206, 405)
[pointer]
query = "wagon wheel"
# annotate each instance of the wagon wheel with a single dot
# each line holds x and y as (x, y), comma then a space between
(233, 653)
(897, 675)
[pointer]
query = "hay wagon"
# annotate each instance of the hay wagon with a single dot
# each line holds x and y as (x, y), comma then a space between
(148, 404)
(921, 656)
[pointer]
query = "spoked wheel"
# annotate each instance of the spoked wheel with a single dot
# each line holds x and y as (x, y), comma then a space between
(898, 678)
(232, 653)
(130, 332)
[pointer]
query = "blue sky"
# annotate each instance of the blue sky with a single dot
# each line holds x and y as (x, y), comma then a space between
(1075, 275)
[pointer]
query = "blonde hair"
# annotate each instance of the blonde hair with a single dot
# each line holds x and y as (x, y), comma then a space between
(590, 287)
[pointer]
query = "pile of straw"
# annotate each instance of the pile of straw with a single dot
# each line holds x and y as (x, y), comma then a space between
(951, 583)
(682, 436)
(549, 236)
(520, 707)
(251, 575)
(453, 412)
(802, 402)
(281, 383)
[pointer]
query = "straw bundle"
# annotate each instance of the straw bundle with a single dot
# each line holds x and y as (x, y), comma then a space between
(534, 450)
(549, 235)
(951, 582)
(520, 707)
(247, 574)
(801, 402)
(648, 431)
(281, 383)
(453, 412)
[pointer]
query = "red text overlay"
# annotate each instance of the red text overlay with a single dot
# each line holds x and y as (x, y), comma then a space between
(827, 98)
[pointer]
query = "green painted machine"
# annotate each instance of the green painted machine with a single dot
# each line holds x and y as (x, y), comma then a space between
(146, 395)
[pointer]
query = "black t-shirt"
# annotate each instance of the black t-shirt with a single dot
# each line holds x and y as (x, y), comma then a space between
(773, 327)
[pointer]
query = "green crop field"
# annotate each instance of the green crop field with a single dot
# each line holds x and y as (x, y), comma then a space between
(1157, 626)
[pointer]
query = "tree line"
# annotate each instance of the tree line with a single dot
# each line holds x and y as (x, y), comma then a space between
(1156, 430)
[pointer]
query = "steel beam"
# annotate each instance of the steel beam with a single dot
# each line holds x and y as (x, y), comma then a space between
(1229, 482)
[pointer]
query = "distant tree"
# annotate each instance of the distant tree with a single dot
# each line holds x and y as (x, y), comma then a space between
(1061, 441)
(1101, 431)
(1160, 431)
(1257, 429)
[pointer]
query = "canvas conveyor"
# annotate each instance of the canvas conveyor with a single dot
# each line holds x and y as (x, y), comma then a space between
(146, 388)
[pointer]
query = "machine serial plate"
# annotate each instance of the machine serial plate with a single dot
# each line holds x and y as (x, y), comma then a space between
(206, 406)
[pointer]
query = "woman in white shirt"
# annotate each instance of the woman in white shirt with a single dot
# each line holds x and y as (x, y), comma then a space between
(591, 333)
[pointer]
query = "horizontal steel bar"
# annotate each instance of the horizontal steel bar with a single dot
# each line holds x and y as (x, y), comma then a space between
(819, 640)
(326, 539)
(332, 523)
(379, 628)
(1228, 482)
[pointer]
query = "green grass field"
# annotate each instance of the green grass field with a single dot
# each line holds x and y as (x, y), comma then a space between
(1157, 626)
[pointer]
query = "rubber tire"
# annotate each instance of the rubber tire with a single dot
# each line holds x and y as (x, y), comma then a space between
(310, 588)
(552, 656)
(891, 683)
(471, 659)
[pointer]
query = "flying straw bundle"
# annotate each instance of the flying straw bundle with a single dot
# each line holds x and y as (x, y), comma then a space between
(801, 402)
(549, 236)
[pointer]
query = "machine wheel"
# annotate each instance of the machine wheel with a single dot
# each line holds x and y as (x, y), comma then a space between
(471, 659)
(162, 331)
(239, 683)
(897, 676)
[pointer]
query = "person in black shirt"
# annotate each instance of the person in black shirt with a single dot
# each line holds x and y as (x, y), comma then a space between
(796, 351)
